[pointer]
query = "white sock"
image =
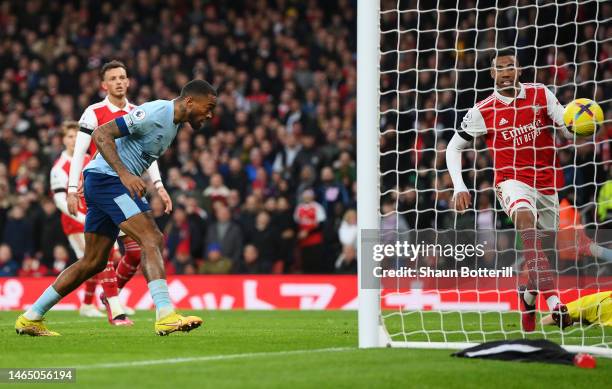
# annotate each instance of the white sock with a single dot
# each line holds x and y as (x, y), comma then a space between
(115, 306)
(552, 302)
(529, 297)
(163, 312)
(31, 315)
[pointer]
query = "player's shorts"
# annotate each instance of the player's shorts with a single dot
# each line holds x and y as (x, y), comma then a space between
(77, 242)
(514, 194)
(109, 204)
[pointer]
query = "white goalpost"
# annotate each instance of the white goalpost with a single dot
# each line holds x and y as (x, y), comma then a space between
(367, 157)
(420, 66)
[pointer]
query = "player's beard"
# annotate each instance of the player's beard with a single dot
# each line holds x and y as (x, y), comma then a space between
(193, 121)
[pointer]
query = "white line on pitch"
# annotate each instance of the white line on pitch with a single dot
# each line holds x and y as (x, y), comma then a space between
(209, 358)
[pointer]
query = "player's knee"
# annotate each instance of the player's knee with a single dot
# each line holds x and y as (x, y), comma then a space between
(524, 219)
(153, 241)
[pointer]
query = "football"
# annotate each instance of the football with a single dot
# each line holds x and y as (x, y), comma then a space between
(582, 116)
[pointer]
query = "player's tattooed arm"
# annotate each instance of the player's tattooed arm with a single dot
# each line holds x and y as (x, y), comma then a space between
(104, 138)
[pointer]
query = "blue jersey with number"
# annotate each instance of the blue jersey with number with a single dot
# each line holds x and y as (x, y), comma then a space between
(148, 130)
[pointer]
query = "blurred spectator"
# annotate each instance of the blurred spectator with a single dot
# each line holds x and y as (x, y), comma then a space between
(265, 238)
(226, 233)
(18, 233)
(61, 259)
(348, 230)
(309, 217)
(51, 232)
(250, 263)
(347, 261)
(179, 234)
(347, 234)
(214, 262)
(31, 267)
(283, 220)
(283, 163)
(197, 218)
(216, 191)
(333, 196)
(237, 178)
(8, 265)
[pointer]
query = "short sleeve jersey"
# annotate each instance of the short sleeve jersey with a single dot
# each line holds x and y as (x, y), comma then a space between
(149, 130)
(519, 135)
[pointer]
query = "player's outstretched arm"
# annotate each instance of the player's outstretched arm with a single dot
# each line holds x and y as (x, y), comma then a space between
(104, 138)
(461, 197)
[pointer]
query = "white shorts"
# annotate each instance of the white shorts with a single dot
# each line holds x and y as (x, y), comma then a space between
(514, 194)
(77, 242)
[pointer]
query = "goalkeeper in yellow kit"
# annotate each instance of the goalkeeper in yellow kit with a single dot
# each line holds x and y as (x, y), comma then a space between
(591, 309)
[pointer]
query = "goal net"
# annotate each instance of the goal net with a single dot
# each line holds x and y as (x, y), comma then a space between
(421, 66)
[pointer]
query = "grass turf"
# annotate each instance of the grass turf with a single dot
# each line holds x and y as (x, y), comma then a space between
(269, 349)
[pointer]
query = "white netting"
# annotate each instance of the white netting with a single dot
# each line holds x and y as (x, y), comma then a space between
(434, 65)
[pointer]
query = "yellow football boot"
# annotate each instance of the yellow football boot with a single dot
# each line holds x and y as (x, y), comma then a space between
(175, 322)
(24, 326)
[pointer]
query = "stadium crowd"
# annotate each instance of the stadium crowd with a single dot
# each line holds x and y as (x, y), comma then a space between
(269, 184)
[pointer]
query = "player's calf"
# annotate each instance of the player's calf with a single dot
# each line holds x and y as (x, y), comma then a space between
(528, 313)
(128, 265)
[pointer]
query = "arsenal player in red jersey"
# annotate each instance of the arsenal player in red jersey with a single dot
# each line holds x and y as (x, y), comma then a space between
(115, 81)
(519, 122)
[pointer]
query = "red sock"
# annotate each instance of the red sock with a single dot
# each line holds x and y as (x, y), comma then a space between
(128, 265)
(540, 277)
(90, 290)
(108, 279)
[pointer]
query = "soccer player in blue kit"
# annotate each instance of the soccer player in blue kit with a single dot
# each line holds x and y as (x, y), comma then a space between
(114, 192)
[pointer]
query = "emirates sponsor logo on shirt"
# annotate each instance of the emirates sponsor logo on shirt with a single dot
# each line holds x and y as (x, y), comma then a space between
(523, 134)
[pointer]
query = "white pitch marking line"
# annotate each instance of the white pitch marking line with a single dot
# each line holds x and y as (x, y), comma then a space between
(208, 358)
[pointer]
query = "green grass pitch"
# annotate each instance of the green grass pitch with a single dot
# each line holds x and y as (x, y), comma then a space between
(270, 349)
